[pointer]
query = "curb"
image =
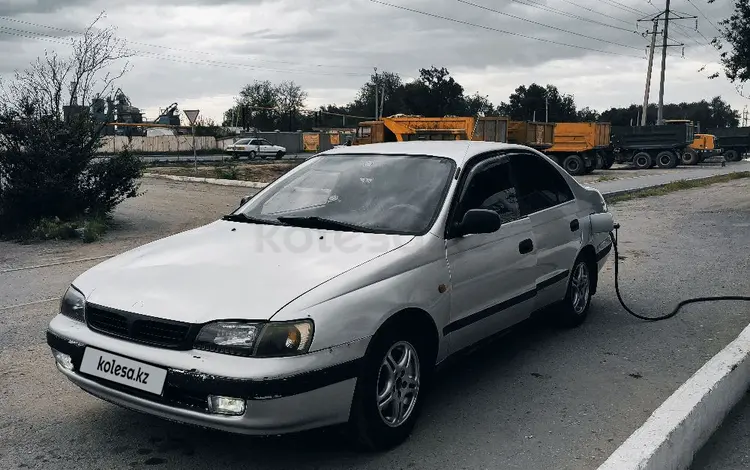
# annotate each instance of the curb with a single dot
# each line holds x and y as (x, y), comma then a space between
(682, 424)
(621, 192)
(216, 181)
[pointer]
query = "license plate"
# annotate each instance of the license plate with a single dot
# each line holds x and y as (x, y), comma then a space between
(123, 371)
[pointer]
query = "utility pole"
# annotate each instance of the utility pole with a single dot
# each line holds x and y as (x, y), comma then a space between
(546, 108)
(744, 117)
(663, 16)
(375, 82)
(660, 115)
(644, 112)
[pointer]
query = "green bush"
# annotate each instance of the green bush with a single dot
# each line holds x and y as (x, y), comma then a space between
(49, 171)
(227, 171)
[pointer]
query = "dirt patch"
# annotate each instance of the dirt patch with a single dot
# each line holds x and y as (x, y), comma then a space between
(258, 172)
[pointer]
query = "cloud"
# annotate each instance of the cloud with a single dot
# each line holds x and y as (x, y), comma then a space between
(203, 51)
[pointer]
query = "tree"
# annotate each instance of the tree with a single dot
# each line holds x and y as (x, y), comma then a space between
(388, 83)
(435, 94)
(535, 101)
(49, 175)
(736, 33)
(709, 114)
(52, 81)
(479, 105)
(588, 115)
(291, 98)
(257, 105)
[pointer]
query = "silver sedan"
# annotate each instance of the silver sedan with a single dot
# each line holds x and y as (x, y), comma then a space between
(331, 295)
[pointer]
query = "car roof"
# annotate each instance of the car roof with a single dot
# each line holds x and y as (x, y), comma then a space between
(457, 150)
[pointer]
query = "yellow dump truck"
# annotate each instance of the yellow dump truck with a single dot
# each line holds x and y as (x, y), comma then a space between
(703, 146)
(405, 128)
(538, 135)
(580, 147)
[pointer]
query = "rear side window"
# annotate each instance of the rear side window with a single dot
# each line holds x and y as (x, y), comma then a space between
(539, 184)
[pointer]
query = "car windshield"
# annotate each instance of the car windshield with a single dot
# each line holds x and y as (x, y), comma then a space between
(368, 193)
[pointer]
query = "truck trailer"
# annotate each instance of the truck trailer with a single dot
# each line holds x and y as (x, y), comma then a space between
(734, 142)
(405, 128)
(537, 135)
(578, 146)
(649, 146)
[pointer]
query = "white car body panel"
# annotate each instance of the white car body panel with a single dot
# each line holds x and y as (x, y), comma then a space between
(470, 287)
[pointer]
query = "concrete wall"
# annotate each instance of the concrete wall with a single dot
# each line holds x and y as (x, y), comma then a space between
(292, 141)
(171, 143)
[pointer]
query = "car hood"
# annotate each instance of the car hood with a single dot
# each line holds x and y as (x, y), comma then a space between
(228, 270)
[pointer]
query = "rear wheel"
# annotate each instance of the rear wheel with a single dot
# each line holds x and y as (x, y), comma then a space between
(642, 160)
(690, 157)
(574, 165)
(731, 156)
(251, 155)
(279, 155)
(666, 159)
(389, 392)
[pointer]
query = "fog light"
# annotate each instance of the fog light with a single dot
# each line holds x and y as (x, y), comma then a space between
(65, 361)
(226, 405)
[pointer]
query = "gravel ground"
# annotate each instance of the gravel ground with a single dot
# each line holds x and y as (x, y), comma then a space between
(538, 398)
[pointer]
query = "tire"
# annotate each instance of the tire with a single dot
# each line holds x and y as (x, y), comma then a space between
(642, 160)
(666, 159)
(690, 157)
(574, 165)
(251, 155)
(732, 156)
(279, 155)
(371, 428)
(575, 307)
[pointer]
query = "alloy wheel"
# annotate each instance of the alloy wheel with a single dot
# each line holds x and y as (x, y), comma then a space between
(398, 384)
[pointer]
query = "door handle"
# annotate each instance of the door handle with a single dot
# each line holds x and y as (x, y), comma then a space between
(526, 246)
(574, 225)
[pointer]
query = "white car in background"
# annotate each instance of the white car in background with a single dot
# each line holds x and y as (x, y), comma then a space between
(255, 147)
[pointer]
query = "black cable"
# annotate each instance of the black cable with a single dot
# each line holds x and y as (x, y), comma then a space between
(613, 236)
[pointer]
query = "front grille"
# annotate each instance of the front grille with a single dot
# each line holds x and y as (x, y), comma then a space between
(139, 328)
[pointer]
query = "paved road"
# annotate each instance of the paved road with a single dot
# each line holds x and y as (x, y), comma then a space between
(219, 157)
(729, 447)
(539, 398)
(665, 176)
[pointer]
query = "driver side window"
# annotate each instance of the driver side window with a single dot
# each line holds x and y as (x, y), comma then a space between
(489, 186)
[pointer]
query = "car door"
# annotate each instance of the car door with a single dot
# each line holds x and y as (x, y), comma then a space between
(253, 146)
(546, 199)
(265, 148)
(492, 275)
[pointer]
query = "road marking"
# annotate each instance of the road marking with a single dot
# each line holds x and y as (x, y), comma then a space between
(56, 299)
(59, 263)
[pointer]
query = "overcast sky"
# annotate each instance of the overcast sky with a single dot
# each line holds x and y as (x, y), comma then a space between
(199, 53)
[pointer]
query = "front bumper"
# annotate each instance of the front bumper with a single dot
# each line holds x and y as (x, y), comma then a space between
(306, 392)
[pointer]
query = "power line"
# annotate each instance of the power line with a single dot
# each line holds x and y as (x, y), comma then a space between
(489, 28)
(533, 4)
(596, 11)
(623, 7)
(704, 16)
(466, 2)
(158, 46)
(216, 63)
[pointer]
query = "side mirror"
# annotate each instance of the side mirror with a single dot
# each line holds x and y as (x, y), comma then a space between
(477, 221)
(244, 200)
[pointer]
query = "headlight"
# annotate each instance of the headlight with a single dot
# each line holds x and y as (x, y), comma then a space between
(73, 304)
(275, 339)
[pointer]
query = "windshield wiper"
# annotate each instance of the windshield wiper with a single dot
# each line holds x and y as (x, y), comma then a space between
(323, 223)
(248, 219)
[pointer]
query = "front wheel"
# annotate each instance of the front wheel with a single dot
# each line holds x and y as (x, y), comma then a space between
(732, 156)
(388, 394)
(575, 306)
(279, 155)
(690, 157)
